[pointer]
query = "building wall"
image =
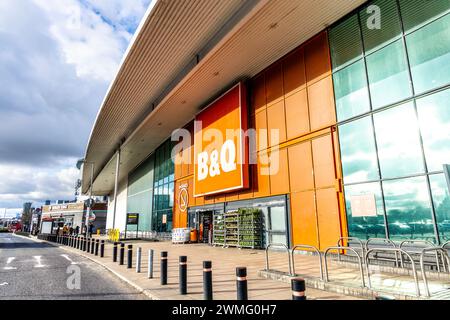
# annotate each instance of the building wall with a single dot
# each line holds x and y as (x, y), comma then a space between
(121, 211)
(294, 96)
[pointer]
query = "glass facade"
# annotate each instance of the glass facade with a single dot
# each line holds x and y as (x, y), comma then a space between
(163, 188)
(392, 91)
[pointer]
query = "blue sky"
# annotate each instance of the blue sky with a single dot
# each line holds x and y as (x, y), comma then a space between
(57, 59)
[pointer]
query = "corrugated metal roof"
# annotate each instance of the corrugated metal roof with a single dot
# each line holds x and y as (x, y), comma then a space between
(267, 32)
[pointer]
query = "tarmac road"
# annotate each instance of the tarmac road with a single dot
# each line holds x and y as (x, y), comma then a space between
(31, 270)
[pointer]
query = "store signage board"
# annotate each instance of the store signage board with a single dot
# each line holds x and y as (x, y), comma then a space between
(132, 219)
(220, 148)
(363, 206)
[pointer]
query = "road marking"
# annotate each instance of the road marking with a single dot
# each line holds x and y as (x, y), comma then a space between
(65, 256)
(38, 261)
(4, 284)
(8, 263)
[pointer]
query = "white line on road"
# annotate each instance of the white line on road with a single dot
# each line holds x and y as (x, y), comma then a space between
(4, 284)
(65, 256)
(38, 261)
(8, 263)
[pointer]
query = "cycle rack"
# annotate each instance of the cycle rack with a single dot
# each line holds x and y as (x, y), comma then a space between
(305, 246)
(344, 248)
(279, 245)
(430, 245)
(385, 240)
(396, 250)
(349, 239)
(422, 264)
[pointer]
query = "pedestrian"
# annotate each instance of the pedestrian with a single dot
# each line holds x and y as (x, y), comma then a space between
(77, 230)
(58, 231)
(91, 229)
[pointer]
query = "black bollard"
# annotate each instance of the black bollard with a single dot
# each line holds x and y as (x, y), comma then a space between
(164, 257)
(130, 256)
(115, 252)
(88, 245)
(84, 244)
(207, 281)
(298, 289)
(97, 244)
(122, 254)
(102, 249)
(92, 246)
(183, 275)
(241, 283)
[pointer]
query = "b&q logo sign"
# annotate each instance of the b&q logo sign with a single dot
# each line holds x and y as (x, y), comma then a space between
(220, 146)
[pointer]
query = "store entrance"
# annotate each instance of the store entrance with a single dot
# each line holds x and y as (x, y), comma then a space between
(202, 221)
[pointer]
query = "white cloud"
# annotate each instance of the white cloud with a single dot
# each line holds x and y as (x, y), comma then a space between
(57, 59)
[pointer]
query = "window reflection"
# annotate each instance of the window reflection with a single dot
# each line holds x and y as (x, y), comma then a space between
(441, 200)
(434, 117)
(358, 153)
(388, 75)
(365, 227)
(398, 142)
(352, 96)
(408, 209)
(429, 55)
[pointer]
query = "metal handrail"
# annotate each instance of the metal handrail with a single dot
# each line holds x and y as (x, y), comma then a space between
(396, 250)
(430, 245)
(279, 245)
(348, 240)
(305, 246)
(344, 248)
(422, 264)
(445, 244)
(385, 240)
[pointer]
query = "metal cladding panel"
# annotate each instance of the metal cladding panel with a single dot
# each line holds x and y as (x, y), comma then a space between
(270, 31)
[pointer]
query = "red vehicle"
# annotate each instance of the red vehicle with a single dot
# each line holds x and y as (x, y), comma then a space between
(15, 226)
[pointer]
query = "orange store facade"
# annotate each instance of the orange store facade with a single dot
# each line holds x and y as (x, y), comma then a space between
(293, 96)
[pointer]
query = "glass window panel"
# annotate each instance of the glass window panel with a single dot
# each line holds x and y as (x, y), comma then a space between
(441, 200)
(278, 219)
(278, 238)
(388, 75)
(416, 12)
(398, 142)
(171, 194)
(358, 153)
(345, 42)
(391, 27)
(350, 87)
(434, 118)
(365, 227)
(408, 209)
(429, 55)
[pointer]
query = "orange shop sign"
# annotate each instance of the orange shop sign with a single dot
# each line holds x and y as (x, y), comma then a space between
(220, 148)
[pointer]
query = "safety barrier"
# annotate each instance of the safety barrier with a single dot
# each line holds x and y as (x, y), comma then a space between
(344, 248)
(279, 245)
(422, 264)
(426, 242)
(341, 243)
(389, 242)
(396, 250)
(305, 246)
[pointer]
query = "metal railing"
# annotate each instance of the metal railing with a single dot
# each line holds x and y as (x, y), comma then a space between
(426, 242)
(344, 248)
(278, 245)
(396, 250)
(389, 242)
(341, 243)
(422, 264)
(303, 247)
(445, 245)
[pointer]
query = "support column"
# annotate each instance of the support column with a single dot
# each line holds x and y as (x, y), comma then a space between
(116, 186)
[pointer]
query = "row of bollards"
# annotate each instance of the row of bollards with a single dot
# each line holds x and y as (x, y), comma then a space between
(96, 247)
(89, 245)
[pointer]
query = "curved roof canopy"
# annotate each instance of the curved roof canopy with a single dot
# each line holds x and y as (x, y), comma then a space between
(185, 53)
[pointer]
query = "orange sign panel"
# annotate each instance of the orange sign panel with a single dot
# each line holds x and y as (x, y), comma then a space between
(221, 153)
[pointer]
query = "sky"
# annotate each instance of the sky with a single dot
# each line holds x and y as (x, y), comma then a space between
(57, 59)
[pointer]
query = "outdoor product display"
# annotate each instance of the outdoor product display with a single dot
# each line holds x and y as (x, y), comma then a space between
(240, 228)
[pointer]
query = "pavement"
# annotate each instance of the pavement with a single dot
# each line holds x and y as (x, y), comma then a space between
(224, 261)
(31, 270)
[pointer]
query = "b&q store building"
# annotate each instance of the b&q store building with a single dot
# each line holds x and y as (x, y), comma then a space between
(357, 92)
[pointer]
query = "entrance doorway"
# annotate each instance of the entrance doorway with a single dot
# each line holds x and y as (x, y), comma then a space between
(202, 221)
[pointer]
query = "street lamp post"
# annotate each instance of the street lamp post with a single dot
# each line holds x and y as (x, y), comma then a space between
(88, 211)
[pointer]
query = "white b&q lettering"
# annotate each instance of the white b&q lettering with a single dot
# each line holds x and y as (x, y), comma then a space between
(227, 159)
